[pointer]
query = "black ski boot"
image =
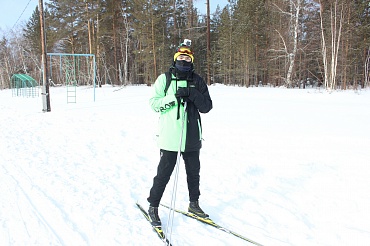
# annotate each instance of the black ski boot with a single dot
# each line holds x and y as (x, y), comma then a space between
(153, 216)
(195, 209)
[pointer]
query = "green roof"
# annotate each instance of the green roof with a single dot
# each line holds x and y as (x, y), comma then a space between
(23, 80)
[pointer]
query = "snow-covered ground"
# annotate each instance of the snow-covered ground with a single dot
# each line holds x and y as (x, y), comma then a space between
(281, 167)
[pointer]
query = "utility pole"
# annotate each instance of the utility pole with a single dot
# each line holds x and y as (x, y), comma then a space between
(208, 44)
(45, 82)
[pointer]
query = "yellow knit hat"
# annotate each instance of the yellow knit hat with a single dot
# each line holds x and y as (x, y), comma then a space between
(184, 50)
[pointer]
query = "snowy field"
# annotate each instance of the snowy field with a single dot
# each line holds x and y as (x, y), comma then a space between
(281, 167)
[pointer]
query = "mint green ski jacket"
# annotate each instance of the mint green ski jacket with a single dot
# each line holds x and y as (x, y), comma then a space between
(169, 127)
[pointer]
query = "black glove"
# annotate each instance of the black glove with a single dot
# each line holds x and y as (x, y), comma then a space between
(182, 92)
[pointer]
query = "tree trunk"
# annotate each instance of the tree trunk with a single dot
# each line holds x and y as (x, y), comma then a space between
(367, 68)
(330, 72)
(153, 46)
(292, 55)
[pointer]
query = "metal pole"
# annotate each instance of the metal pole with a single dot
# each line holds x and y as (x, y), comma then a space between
(94, 77)
(171, 213)
(45, 82)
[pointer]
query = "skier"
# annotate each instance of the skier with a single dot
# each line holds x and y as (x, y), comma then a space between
(181, 84)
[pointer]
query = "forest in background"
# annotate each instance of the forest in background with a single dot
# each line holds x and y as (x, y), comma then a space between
(291, 43)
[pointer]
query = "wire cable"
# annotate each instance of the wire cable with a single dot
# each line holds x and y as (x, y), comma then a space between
(21, 14)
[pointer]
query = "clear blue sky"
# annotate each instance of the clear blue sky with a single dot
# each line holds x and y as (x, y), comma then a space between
(11, 10)
(201, 5)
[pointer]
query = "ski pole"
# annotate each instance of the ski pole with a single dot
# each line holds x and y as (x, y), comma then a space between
(174, 189)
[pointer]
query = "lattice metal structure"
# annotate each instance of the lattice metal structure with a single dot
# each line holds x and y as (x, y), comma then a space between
(72, 70)
(24, 85)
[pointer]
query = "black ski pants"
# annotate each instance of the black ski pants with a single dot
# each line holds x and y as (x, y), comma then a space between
(165, 168)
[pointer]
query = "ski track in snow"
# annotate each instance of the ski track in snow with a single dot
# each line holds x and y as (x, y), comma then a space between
(281, 167)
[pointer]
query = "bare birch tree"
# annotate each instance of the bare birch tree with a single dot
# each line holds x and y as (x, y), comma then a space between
(293, 15)
(330, 60)
(367, 68)
(295, 7)
(125, 47)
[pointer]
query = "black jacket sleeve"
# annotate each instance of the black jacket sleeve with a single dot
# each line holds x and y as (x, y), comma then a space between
(200, 97)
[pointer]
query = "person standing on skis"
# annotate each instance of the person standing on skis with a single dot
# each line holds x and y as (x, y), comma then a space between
(171, 91)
